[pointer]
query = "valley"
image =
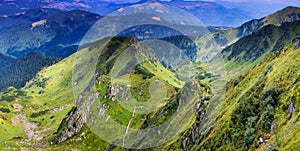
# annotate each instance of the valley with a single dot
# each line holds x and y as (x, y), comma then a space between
(164, 85)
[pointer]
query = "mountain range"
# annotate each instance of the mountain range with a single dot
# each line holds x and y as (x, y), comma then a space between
(209, 13)
(52, 33)
(215, 42)
(57, 94)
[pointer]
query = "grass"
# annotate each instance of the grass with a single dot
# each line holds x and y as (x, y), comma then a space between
(284, 75)
(56, 93)
(48, 98)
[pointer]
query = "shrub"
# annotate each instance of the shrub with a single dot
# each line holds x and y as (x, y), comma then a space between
(249, 134)
(270, 100)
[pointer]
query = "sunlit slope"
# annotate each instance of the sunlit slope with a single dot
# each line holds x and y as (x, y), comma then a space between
(256, 100)
(124, 74)
(33, 113)
(213, 43)
(247, 52)
(34, 117)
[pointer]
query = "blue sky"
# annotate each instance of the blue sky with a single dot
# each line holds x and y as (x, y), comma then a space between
(236, 1)
(259, 8)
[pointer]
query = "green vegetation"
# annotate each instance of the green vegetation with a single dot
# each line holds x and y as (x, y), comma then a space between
(254, 101)
(129, 80)
(21, 70)
(46, 100)
(249, 51)
(35, 111)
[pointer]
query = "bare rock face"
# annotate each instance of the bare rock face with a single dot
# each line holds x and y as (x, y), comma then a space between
(193, 132)
(76, 119)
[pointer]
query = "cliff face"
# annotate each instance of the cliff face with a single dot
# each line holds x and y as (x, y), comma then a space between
(76, 119)
(144, 81)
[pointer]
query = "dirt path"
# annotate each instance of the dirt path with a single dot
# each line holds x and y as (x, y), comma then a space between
(128, 126)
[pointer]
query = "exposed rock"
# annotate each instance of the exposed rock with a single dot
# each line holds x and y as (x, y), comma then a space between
(76, 118)
(186, 142)
(296, 43)
(193, 132)
(17, 107)
(102, 110)
(58, 109)
(109, 147)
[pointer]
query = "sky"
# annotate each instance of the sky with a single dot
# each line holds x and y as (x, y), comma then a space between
(236, 1)
(264, 1)
(258, 8)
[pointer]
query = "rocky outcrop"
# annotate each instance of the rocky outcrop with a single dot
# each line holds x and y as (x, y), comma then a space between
(193, 132)
(76, 118)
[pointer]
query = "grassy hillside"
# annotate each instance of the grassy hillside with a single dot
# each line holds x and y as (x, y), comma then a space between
(64, 105)
(256, 100)
(213, 43)
(250, 50)
(23, 69)
(32, 117)
(32, 114)
(121, 82)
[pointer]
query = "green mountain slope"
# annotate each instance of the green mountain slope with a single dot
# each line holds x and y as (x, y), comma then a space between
(42, 114)
(110, 91)
(212, 43)
(250, 50)
(33, 113)
(23, 69)
(256, 100)
(62, 106)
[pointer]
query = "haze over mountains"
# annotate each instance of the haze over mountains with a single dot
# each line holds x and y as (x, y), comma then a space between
(57, 34)
(50, 99)
(210, 13)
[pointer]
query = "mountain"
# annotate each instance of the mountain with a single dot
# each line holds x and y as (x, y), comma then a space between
(209, 13)
(288, 14)
(26, 16)
(55, 36)
(10, 7)
(19, 71)
(252, 103)
(109, 66)
(48, 32)
(213, 43)
(60, 34)
(213, 14)
(41, 104)
(248, 51)
(96, 98)
(47, 99)
(256, 100)
(5, 60)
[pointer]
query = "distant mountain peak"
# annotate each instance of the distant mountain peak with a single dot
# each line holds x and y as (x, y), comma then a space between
(177, 0)
(148, 1)
(287, 14)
